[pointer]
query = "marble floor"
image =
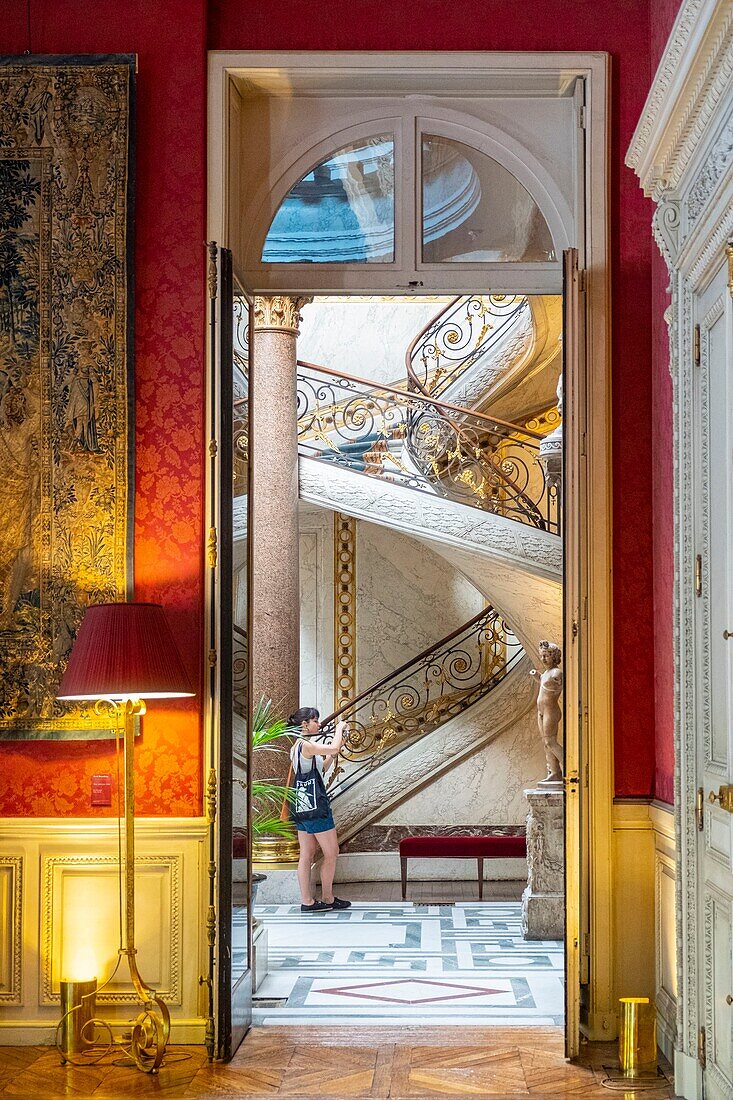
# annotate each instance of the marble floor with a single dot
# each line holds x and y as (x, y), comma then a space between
(387, 963)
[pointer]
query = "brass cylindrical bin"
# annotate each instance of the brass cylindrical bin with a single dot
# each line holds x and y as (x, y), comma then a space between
(78, 1007)
(637, 1037)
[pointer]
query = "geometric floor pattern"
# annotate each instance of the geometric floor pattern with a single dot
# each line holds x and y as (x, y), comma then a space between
(390, 963)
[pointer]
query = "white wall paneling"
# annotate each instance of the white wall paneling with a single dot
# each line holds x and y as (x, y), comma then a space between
(59, 897)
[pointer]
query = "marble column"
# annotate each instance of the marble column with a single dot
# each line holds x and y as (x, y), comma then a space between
(543, 901)
(275, 643)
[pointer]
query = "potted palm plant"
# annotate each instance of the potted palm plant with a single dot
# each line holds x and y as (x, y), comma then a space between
(271, 835)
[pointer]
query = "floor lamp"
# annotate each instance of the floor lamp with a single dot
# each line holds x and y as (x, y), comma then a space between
(124, 653)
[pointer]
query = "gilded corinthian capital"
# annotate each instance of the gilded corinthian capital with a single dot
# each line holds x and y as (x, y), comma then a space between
(279, 312)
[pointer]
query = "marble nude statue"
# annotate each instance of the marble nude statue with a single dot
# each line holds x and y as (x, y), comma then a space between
(548, 710)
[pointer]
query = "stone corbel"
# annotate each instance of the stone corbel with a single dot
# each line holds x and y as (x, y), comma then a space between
(666, 228)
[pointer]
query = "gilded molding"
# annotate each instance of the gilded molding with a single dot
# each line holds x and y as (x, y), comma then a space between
(211, 789)
(344, 609)
(212, 548)
(279, 312)
(11, 919)
(50, 869)
(212, 270)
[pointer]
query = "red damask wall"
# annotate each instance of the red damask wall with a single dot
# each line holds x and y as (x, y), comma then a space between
(663, 14)
(170, 38)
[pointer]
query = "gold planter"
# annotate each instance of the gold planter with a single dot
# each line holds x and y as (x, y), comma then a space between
(78, 1006)
(275, 851)
(637, 1038)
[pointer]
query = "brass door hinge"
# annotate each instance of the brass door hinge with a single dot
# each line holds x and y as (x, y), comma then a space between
(702, 1056)
(698, 575)
(581, 280)
(700, 809)
(696, 346)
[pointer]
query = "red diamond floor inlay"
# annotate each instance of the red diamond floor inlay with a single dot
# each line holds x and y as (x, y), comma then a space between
(350, 991)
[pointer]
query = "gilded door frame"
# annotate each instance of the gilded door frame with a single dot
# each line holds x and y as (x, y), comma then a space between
(588, 594)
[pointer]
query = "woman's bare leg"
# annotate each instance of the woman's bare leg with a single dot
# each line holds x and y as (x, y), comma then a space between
(329, 844)
(307, 843)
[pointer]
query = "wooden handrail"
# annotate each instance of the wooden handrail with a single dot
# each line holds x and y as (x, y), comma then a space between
(371, 384)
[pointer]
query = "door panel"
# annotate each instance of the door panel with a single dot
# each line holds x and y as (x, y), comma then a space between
(229, 695)
(574, 511)
(714, 418)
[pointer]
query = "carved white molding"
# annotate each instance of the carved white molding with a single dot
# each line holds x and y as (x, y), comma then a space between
(713, 168)
(714, 1075)
(693, 74)
(11, 937)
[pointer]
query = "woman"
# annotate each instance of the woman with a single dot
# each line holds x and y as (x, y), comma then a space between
(320, 832)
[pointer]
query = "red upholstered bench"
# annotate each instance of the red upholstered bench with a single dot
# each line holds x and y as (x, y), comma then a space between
(461, 847)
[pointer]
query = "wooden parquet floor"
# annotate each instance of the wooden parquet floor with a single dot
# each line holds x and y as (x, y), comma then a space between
(385, 1063)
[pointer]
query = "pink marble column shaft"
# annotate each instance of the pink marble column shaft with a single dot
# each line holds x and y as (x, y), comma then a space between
(275, 643)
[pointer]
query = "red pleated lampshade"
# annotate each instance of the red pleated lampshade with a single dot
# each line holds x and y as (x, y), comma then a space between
(124, 651)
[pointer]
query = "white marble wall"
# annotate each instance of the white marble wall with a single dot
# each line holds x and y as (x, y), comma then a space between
(485, 789)
(364, 336)
(408, 598)
(316, 608)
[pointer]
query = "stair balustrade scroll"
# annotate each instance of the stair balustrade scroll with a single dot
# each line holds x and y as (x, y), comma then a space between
(240, 661)
(428, 445)
(424, 693)
(466, 330)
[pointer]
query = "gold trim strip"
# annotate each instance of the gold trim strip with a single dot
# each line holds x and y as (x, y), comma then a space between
(344, 609)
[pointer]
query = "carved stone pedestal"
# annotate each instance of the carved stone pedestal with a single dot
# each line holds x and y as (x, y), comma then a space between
(543, 901)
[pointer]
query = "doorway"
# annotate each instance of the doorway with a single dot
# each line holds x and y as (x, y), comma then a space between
(569, 213)
(428, 430)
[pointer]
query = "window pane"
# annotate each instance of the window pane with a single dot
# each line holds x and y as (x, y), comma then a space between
(474, 209)
(340, 212)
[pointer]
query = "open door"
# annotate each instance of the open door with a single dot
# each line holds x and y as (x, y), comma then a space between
(229, 915)
(574, 511)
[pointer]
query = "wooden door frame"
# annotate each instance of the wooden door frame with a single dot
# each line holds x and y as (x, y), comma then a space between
(588, 599)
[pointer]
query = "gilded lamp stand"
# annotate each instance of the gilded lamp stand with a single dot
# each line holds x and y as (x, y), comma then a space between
(123, 653)
(146, 1043)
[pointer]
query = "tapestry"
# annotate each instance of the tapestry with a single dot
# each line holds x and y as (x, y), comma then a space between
(65, 373)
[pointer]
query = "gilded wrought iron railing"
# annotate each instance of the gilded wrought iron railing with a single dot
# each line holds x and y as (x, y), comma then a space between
(428, 445)
(240, 658)
(463, 332)
(240, 353)
(424, 693)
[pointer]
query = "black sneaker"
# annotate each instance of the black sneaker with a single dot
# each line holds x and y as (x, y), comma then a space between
(316, 907)
(338, 903)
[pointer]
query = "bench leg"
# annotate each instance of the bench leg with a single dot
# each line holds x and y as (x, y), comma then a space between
(480, 862)
(403, 865)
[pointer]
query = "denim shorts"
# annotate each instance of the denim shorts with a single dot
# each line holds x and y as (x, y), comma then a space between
(316, 824)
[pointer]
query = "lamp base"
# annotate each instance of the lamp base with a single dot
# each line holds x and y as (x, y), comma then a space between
(79, 1031)
(78, 1005)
